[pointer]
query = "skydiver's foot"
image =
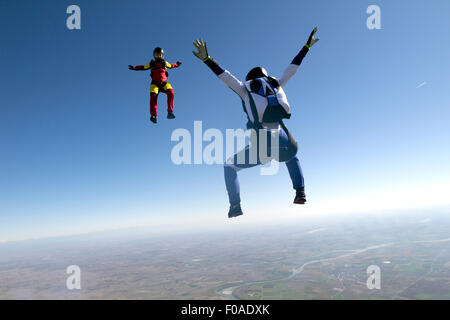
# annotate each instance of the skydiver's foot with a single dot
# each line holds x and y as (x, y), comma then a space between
(300, 197)
(153, 119)
(170, 115)
(235, 211)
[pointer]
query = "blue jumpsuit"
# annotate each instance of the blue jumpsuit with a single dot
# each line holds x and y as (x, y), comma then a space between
(287, 144)
(287, 153)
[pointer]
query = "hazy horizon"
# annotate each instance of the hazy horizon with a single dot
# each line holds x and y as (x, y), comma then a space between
(323, 257)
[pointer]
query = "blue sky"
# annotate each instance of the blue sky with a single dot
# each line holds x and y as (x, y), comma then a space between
(77, 151)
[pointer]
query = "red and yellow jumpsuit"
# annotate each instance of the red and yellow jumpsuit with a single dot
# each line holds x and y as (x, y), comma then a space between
(159, 83)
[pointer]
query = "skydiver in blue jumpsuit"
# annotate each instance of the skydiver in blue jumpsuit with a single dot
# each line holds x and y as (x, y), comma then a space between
(266, 106)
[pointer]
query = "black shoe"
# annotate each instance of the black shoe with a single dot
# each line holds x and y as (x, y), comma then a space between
(170, 115)
(153, 119)
(300, 197)
(235, 211)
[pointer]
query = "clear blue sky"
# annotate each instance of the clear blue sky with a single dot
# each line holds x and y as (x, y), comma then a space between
(371, 108)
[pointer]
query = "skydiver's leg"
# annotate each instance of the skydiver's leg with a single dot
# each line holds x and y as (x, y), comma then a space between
(170, 100)
(296, 174)
(170, 96)
(232, 185)
(298, 182)
(153, 104)
(154, 90)
(288, 151)
(240, 160)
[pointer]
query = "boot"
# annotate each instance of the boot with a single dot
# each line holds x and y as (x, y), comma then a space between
(300, 196)
(170, 115)
(235, 210)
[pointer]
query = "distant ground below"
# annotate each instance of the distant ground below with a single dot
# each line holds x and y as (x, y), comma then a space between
(323, 258)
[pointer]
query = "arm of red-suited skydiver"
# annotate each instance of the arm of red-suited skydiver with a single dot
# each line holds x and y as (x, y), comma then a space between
(173, 65)
(231, 81)
(142, 67)
(293, 67)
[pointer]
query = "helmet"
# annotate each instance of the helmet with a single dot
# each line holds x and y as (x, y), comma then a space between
(255, 73)
(158, 50)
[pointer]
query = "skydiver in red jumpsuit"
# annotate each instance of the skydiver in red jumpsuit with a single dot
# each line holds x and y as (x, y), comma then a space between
(159, 83)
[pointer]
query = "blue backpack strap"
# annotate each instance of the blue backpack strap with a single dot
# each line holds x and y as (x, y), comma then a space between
(256, 124)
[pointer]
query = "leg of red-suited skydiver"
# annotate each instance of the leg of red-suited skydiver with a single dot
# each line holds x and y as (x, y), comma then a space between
(170, 99)
(153, 103)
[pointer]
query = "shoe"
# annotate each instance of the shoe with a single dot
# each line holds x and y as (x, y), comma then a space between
(300, 197)
(235, 211)
(153, 119)
(170, 115)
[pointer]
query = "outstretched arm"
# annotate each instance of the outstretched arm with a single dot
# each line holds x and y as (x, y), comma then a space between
(224, 75)
(139, 67)
(295, 64)
(173, 65)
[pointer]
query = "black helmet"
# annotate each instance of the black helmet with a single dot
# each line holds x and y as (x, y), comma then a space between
(255, 73)
(157, 50)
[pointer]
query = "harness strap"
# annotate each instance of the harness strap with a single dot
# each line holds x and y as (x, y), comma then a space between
(152, 65)
(160, 87)
(256, 124)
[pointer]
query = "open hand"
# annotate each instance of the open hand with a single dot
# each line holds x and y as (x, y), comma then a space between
(202, 53)
(311, 39)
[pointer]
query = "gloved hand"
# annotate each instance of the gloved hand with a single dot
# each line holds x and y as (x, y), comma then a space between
(178, 63)
(130, 67)
(202, 53)
(311, 40)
